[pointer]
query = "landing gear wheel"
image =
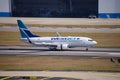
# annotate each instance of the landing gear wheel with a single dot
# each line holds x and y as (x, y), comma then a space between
(61, 48)
(86, 49)
(52, 49)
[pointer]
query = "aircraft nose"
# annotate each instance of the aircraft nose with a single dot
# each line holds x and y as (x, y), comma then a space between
(94, 42)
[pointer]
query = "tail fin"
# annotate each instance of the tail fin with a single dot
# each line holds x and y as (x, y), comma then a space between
(24, 31)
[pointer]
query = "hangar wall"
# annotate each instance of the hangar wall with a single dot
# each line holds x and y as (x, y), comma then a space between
(55, 8)
(106, 8)
(109, 8)
(5, 8)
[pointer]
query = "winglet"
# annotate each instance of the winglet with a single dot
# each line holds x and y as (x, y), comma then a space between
(58, 34)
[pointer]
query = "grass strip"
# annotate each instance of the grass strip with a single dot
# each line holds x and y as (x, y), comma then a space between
(56, 63)
(65, 25)
(103, 39)
(33, 78)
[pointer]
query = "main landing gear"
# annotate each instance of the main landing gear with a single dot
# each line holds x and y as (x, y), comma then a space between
(86, 49)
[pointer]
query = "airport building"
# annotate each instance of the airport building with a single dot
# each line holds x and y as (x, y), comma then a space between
(60, 8)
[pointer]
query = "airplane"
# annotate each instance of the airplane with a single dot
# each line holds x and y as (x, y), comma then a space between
(54, 43)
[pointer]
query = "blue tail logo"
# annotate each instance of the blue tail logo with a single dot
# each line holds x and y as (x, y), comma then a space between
(24, 31)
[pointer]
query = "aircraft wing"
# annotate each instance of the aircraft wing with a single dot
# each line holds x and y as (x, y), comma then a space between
(46, 44)
(55, 45)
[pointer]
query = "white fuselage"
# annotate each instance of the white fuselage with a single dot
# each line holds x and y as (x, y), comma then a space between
(67, 42)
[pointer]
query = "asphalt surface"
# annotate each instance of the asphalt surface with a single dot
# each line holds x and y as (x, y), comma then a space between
(41, 51)
(63, 29)
(64, 75)
(34, 78)
(60, 21)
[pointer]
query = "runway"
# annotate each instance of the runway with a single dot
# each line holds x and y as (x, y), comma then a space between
(41, 51)
(68, 75)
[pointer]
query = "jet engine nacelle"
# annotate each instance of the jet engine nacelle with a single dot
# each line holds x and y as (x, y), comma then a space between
(62, 46)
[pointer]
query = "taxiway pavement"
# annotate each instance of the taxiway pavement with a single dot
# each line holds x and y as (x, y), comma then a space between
(63, 29)
(71, 74)
(40, 51)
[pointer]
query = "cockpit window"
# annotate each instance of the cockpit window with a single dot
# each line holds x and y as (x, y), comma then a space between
(90, 40)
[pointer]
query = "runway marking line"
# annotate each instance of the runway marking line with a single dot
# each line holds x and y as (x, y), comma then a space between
(6, 78)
